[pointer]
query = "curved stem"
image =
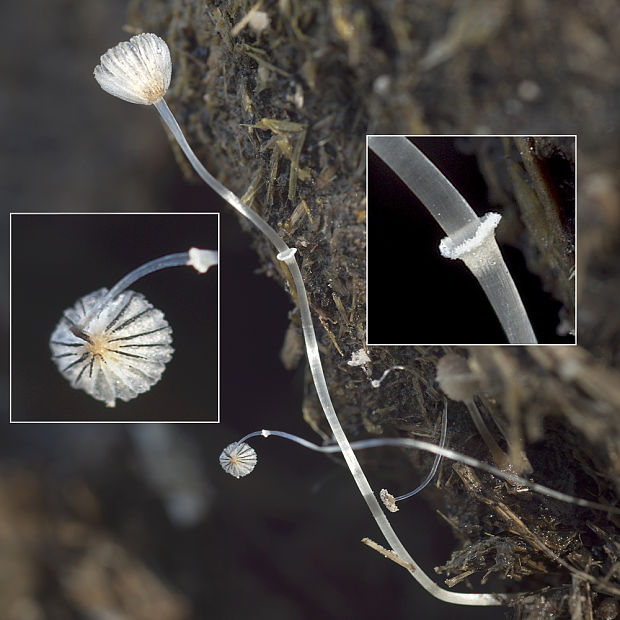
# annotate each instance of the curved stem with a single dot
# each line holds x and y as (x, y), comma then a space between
(426, 181)
(171, 260)
(211, 181)
(406, 442)
(435, 467)
(316, 369)
(499, 456)
(287, 255)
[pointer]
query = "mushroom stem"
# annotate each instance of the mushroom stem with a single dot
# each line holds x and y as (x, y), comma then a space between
(458, 382)
(469, 237)
(405, 442)
(287, 255)
(435, 467)
(211, 181)
(499, 456)
(199, 259)
(139, 72)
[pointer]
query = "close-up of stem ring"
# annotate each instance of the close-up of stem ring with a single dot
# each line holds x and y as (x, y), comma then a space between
(469, 237)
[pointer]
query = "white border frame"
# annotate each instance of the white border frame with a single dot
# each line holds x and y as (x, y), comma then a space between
(103, 421)
(501, 344)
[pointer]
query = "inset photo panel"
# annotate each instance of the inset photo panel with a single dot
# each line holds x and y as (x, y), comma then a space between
(114, 317)
(471, 240)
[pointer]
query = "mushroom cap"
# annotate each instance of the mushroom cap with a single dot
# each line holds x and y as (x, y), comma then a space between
(138, 70)
(128, 345)
(455, 378)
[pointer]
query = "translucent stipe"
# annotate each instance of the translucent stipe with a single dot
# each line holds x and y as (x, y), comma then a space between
(211, 181)
(286, 254)
(404, 442)
(238, 459)
(171, 260)
(469, 238)
(426, 181)
(487, 263)
(435, 467)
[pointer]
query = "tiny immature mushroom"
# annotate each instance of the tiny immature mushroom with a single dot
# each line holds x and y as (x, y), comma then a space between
(389, 501)
(456, 379)
(238, 459)
(114, 344)
(376, 383)
(359, 358)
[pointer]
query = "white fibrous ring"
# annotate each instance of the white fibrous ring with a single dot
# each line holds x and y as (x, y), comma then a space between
(120, 353)
(238, 459)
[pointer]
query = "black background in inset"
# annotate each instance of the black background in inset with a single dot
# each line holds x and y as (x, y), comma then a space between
(415, 296)
(60, 258)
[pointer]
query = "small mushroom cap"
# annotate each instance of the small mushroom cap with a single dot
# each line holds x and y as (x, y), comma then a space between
(238, 459)
(138, 70)
(455, 378)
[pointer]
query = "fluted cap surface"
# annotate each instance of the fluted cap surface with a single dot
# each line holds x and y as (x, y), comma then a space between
(138, 70)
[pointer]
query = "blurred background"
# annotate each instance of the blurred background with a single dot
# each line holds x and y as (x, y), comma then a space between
(117, 521)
